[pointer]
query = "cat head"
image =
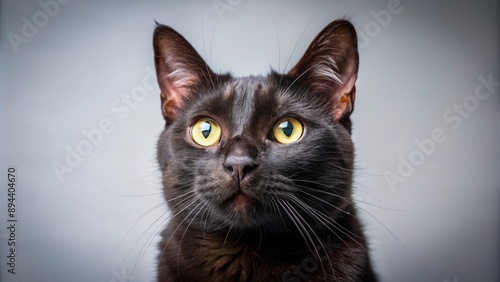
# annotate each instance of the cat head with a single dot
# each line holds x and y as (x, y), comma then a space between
(258, 151)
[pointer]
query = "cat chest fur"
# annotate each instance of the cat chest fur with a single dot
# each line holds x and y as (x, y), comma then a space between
(241, 258)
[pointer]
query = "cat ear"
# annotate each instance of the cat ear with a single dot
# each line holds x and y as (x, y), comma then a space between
(180, 70)
(330, 66)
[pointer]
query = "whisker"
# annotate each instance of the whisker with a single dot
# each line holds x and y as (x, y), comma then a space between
(183, 234)
(346, 199)
(212, 41)
(328, 203)
(125, 195)
(275, 205)
(142, 235)
(279, 48)
(137, 219)
(351, 202)
(157, 230)
(179, 225)
(227, 235)
(207, 68)
(334, 224)
(303, 223)
(386, 228)
(297, 43)
(297, 78)
(325, 221)
(205, 221)
(280, 202)
(136, 222)
(328, 186)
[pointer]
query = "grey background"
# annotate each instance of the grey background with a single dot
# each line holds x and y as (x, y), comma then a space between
(98, 224)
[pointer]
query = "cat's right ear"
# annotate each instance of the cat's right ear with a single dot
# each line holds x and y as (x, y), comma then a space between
(180, 70)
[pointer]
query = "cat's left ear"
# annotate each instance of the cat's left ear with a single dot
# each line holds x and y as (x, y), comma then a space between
(330, 66)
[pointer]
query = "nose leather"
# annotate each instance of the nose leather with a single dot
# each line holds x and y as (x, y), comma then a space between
(240, 160)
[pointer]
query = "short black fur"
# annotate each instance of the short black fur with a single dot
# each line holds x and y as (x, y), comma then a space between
(249, 208)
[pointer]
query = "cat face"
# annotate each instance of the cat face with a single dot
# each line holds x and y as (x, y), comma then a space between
(262, 151)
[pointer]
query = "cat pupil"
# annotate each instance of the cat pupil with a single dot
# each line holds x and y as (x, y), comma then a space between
(206, 128)
(287, 128)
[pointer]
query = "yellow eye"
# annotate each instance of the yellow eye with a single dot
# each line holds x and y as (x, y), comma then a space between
(287, 130)
(205, 132)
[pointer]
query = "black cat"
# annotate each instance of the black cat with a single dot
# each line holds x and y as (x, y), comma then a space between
(257, 171)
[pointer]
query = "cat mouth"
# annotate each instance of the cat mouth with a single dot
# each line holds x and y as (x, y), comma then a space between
(239, 204)
(242, 201)
(239, 209)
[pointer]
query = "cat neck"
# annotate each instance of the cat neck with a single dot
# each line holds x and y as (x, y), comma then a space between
(246, 255)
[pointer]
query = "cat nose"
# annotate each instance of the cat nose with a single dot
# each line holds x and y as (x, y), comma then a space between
(240, 158)
(239, 166)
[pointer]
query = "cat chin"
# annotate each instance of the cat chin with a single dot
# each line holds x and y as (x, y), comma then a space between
(240, 211)
(242, 207)
(241, 203)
